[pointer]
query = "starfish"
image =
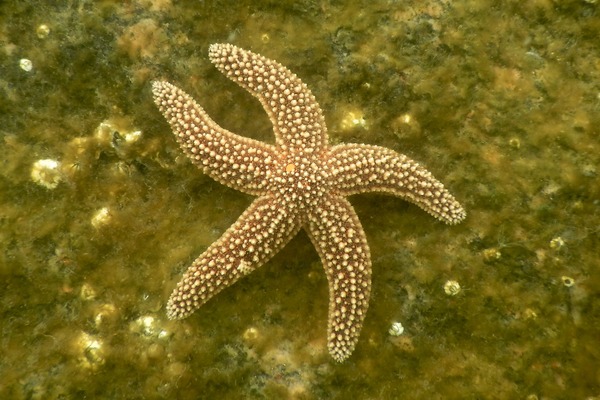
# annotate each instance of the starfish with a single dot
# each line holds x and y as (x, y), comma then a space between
(300, 182)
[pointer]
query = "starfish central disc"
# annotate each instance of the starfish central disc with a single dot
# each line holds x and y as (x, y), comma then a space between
(301, 180)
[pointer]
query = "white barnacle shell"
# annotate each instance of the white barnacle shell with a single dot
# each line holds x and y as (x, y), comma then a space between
(452, 288)
(46, 173)
(396, 329)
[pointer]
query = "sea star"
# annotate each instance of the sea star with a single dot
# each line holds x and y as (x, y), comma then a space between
(301, 182)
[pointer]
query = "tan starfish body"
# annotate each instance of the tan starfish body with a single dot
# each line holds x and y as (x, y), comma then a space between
(301, 182)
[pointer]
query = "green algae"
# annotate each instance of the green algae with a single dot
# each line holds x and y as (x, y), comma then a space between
(499, 100)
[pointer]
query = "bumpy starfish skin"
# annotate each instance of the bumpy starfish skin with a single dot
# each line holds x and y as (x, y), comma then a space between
(300, 182)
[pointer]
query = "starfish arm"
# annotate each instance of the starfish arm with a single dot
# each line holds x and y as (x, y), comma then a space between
(364, 168)
(258, 234)
(238, 162)
(297, 118)
(337, 234)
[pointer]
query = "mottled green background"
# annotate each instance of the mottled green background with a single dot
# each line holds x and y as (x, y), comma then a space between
(500, 100)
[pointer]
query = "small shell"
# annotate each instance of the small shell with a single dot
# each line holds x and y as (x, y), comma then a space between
(101, 217)
(396, 329)
(452, 288)
(25, 64)
(42, 31)
(567, 281)
(557, 243)
(46, 173)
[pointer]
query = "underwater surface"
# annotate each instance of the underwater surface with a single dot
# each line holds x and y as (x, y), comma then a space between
(101, 212)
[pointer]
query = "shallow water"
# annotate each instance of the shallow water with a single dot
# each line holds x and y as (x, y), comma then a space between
(500, 101)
